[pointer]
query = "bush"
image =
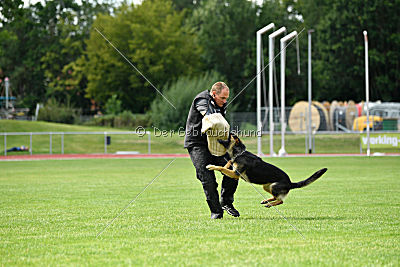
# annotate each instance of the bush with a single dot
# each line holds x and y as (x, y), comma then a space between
(180, 94)
(57, 112)
(113, 105)
(125, 119)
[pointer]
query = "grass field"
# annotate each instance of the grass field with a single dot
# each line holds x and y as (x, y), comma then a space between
(324, 143)
(51, 212)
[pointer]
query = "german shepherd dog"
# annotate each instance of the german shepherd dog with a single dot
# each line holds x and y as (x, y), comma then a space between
(254, 170)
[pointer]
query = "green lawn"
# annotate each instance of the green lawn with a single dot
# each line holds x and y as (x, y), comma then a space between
(338, 143)
(51, 212)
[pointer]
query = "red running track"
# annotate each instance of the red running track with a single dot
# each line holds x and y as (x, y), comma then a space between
(89, 156)
(144, 156)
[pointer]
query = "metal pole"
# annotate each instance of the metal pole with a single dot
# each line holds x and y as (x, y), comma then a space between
(282, 151)
(309, 92)
(105, 142)
(336, 124)
(149, 142)
(37, 111)
(51, 145)
(7, 85)
(271, 55)
(5, 144)
(259, 123)
(306, 143)
(258, 71)
(270, 95)
(313, 141)
(62, 143)
(367, 89)
(30, 144)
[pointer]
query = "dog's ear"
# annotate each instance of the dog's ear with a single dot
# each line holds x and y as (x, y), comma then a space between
(237, 140)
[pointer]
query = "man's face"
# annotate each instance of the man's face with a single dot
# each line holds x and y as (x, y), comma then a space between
(221, 98)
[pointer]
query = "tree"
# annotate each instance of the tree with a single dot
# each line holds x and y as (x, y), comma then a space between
(163, 116)
(189, 5)
(338, 48)
(227, 32)
(21, 46)
(63, 62)
(113, 106)
(282, 14)
(39, 48)
(153, 38)
(10, 11)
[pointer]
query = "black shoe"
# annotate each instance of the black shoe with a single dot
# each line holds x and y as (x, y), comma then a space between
(217, 215)
(230, 209)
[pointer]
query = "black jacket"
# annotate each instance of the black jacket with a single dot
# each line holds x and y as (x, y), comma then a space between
(193, 135)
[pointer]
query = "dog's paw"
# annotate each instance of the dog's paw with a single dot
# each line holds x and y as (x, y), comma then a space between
(264, 202)
(268, 206)
(211, 167)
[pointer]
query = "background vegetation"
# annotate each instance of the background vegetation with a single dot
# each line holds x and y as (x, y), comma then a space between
(164, 115)
(52, 50)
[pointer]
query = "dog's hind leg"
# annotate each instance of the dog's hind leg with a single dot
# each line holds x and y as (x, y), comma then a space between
(267, 188)
(278, 200)
(265, 201)
(275, 203)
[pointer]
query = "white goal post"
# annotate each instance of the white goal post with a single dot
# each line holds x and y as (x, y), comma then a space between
(271, 56)
(258, 71)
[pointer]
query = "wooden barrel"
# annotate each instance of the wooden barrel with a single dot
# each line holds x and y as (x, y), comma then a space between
(298, 117)
(334, 105)
(351, 114)
(323, 114)
(327, 106)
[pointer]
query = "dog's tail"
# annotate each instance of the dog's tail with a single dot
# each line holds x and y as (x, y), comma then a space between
(308, 181)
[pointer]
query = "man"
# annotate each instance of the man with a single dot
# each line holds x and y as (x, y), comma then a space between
(20, 148)
(205, 103)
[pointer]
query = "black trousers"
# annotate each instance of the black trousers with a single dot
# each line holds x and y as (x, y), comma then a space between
(201, 157)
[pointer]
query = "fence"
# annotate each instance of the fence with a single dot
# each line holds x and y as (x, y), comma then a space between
(339, 139)
(106, 135)
(244, 121)
(335, 132)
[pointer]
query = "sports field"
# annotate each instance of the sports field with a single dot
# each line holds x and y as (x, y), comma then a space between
(52, 210)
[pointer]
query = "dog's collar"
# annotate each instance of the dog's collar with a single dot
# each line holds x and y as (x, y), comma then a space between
(234, 158)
